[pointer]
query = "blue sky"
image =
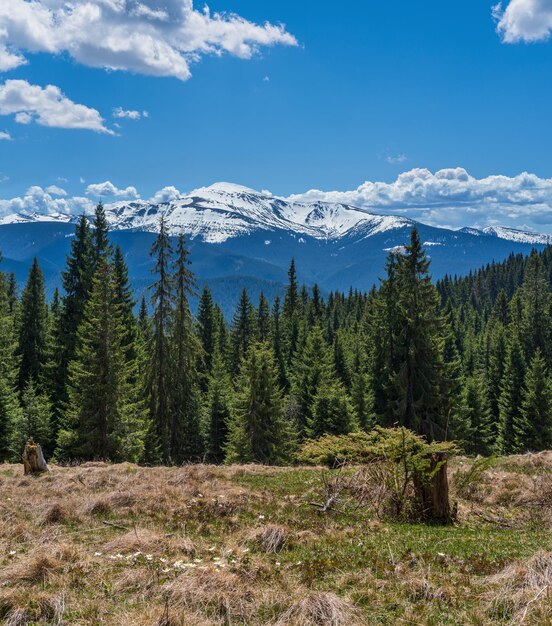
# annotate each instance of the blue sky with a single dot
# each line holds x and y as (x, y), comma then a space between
(334, 98)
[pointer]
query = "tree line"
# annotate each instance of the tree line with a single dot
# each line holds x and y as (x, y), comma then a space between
(90, 379)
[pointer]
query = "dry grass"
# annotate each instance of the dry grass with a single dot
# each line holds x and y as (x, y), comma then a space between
(320, 609)
(102, 545)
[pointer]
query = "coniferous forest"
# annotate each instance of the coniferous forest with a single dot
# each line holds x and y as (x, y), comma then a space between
(95, 375)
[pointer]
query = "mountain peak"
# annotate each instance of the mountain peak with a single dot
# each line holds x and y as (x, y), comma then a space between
(224, 188)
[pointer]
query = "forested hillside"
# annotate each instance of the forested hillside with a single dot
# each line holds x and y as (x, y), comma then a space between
(468, 359)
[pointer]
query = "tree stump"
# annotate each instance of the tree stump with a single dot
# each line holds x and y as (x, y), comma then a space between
(34, 462)
(434, 494)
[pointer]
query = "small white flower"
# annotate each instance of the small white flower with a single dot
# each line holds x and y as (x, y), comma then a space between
(97, 554)
(198, 560)
(261, 516)
(12, 552)
(149, 557)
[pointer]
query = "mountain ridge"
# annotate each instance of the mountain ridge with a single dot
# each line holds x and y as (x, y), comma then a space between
(224, 211)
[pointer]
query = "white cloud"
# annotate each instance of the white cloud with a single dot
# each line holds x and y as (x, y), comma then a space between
(47, 106)
(54, 190)
(131, 115)
(108, 190)
(167, 194)
(451, 197)
(394, 160)
(38, 200)
(524, 20)
(5, 135)
(147, 36)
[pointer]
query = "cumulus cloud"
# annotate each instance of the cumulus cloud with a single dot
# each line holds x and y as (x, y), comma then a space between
(5, 135)
(54, 190)
(524, 20)
(108, 190)
(167, 194)
(131, 115)
(451, 197)
(144, 36)
(39, 200)
(47, 106)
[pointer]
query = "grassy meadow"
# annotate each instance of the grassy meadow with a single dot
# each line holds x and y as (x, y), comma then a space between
(242, 545)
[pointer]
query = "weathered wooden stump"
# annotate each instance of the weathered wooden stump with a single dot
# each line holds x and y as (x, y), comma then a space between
(34, 462)
(434, 494)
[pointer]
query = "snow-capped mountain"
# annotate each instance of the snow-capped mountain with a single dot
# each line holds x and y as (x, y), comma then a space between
(240, 237)
(225, 211)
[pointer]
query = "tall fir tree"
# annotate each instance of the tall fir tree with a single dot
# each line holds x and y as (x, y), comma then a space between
(9, 402)
(258, 431)
(218, 410)
(186, 437)
(105, 417)
(418, 375)
(263, 319)
(206, 331)
(161, 363)
(76, 282)
(33, 348)
(509, 403)
(534, 430)
(33, 421)
(243, 331)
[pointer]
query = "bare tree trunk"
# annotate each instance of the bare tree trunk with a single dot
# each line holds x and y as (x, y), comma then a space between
(33, 459)
(434, 495)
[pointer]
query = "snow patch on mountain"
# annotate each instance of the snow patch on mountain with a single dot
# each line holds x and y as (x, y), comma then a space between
(224, 211)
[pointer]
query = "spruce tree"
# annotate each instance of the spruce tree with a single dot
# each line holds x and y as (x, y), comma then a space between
(76, 281)
(206, 332)
(186, 438)
(243, 331)
(9, 402)
(100, 236)
(473, 426)
(332, 412)
(218, 410)
(509, 403)
(536, 299)
(161, 364)
(362, 396)
(312, 370)
(263, 319)
(534, 430)
(124, 299)
(418, 375)
(258, 431)
(32, 421)
(33, 348)
(105, 416)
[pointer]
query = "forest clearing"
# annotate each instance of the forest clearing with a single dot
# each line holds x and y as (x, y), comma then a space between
(211, 545)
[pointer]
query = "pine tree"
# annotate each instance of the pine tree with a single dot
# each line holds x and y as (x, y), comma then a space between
(34, 329)
(206, 332)
(510, 400)
(13, 290)
(9, 403)
(32, 422)
(312, 370)
(258, 431)
(417, 379)
(243, 331)
(536, 309)
(277, 346)
(362, 396)
(186, 437)
(124, 299)
(161, 364)
(218, 410)
(340, 363)
(100, 237)
(76, 280)
(474, 424)
(263, 319)
(332, 412)
(105, 417)
(534, 430)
